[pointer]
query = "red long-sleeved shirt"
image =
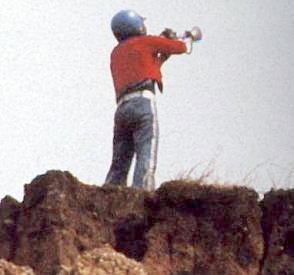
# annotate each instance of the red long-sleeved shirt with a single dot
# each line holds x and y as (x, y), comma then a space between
(135, 59)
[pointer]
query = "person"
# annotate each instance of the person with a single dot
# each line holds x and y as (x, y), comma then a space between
(135, 68)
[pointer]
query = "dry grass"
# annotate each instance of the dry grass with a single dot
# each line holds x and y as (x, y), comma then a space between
(208, 176)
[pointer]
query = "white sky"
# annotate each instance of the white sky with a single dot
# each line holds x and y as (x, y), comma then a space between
(230, 103)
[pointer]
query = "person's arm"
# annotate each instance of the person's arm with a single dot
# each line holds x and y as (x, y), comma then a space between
(165, 46)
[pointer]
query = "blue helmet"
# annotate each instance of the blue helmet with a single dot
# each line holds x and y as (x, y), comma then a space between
(127, 23)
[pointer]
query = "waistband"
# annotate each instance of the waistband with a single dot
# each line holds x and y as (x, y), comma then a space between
(145, 93)
(147, 84)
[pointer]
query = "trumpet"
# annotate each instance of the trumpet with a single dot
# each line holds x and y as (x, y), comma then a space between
(195, 34)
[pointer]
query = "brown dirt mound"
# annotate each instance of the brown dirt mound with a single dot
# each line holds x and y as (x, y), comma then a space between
(62, 218)
(9, 210)
(182, 228)
(278, 225)
(204, 229)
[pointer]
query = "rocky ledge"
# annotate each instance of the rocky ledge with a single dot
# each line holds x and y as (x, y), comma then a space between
(185, 227)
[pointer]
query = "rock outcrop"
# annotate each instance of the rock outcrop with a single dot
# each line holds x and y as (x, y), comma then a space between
(185, 227)
(204, 229)
(278, 226)
(9, 210)
(61, 218)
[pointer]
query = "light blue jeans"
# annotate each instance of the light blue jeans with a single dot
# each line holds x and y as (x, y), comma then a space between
(135, 133)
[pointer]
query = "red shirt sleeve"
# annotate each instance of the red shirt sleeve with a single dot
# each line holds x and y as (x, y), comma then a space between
(164, 45)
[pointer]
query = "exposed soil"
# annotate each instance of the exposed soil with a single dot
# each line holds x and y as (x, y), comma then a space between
(185, 227)
(278, 226)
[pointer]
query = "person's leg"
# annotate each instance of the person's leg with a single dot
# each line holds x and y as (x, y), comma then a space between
(146, 145)
(123, 152)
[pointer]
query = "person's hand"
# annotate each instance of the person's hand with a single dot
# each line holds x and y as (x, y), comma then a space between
(169, 33)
